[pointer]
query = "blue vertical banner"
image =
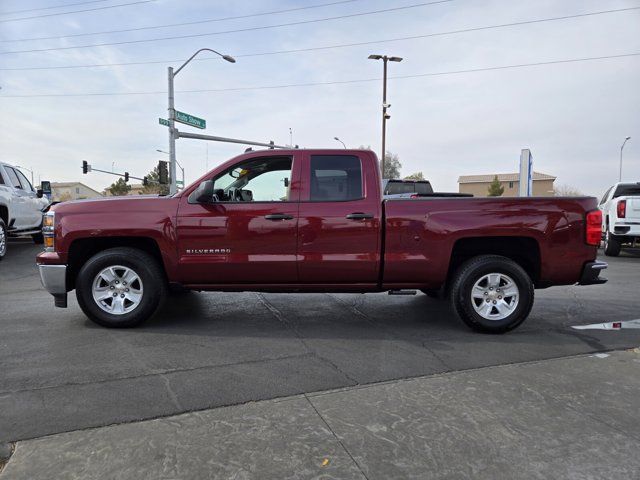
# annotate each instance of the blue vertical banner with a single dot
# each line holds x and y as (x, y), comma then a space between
(525, 183)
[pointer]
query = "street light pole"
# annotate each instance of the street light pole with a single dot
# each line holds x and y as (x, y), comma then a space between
(623, 143)
(385, 105)
(172, 115)
(337, 139)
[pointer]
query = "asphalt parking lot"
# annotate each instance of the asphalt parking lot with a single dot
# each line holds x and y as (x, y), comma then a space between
(60, 372)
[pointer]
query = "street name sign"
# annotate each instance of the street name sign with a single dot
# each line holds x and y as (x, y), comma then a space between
(190, 120)
(163, 121)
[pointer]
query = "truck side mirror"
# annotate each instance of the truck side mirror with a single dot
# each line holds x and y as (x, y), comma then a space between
(39, 193)
(203, 194)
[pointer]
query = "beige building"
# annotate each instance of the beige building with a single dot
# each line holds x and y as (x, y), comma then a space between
(478, 185)
(64, 191)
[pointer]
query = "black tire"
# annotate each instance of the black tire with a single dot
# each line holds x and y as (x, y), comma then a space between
(436, 294)
(38, 239)
(473, 271)
(612, 245)
(3, 239)
(144, 265)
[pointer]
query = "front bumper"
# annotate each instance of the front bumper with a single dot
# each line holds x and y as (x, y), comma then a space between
(54, 281)
(591, 273)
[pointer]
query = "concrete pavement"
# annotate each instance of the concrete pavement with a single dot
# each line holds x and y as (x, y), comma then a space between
(60, 372)
(569, 418)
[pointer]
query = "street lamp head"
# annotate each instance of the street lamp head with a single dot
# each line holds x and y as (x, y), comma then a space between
(229, 58)
(395, 59)
(375, 57)
(628, 138)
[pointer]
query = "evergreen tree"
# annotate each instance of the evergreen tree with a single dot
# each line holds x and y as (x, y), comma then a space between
(119, 188)
(495, 188)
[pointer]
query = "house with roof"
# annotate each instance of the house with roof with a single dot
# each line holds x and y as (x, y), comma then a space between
(64, 191)
(478, 185)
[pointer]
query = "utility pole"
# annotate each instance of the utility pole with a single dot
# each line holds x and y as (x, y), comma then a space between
(173, 134)
(385, 105)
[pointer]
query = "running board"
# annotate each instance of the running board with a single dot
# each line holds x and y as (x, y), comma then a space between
(23, 233)
(402, 292)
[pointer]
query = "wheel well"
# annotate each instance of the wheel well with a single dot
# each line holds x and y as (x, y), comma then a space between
(525, 251)
(83, 249)
(4, 214)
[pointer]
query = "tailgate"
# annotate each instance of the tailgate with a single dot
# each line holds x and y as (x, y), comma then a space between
(633, 208)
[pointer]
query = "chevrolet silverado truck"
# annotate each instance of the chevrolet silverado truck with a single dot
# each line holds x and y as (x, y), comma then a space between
(620, 206)
(315, 221)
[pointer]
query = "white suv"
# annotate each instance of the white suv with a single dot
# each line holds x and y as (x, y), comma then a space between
(21, 207)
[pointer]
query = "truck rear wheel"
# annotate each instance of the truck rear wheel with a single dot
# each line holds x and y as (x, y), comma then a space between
(120, 287)
(612, 245)
(492, 294)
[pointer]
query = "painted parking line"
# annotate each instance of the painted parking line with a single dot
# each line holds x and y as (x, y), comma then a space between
(609, 325)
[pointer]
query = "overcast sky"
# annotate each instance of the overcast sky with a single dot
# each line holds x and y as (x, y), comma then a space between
(573, 116)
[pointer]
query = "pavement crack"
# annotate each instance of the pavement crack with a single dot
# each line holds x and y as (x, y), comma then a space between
(156, 373)
(338, 439)
(282, 319)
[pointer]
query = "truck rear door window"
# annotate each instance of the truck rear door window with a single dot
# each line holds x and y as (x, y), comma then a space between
(13, 178)
(335, 178)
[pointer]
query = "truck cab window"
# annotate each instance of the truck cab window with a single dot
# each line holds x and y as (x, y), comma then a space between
(335, 178)
(257, 180)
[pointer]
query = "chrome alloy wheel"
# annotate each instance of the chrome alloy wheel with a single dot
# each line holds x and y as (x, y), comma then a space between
(3, 242)
(495, 296)
(117, 290)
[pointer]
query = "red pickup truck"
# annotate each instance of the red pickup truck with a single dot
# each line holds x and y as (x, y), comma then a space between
(315, 221)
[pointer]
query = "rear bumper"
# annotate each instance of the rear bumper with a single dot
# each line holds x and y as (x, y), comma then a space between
(54, 281)
(591, 273)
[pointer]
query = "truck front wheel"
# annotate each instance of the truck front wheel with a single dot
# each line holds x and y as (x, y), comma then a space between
(120, 287)
(3, 239)
(492, 294)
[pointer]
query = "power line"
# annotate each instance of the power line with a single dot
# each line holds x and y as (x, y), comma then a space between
(76, 11)
(249, 29)
(335, 82)
(328, 47)
(53, 8)
(211, 20)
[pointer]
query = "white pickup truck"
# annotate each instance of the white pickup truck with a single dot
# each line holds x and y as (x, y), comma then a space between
(620, 207)
(21, 207)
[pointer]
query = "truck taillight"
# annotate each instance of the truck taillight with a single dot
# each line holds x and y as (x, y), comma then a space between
(622, 209)
(594, 227)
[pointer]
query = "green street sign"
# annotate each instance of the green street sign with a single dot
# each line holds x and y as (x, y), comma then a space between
(179, 183)
(163, 121)
(190, 120)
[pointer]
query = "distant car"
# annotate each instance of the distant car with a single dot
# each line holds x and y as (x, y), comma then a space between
(620, 206)
(21, 207)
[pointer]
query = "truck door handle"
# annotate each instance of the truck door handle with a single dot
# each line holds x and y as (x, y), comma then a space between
(359, 216)
(278, 216)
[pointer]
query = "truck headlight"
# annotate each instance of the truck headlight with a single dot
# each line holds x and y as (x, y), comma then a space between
(48, 224)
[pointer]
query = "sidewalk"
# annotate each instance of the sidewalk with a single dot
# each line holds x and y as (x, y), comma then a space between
(569, 418)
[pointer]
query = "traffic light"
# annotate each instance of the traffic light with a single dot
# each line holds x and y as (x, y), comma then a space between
(163, 173)
(85, 167)
(145, 181)
(126, 176)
